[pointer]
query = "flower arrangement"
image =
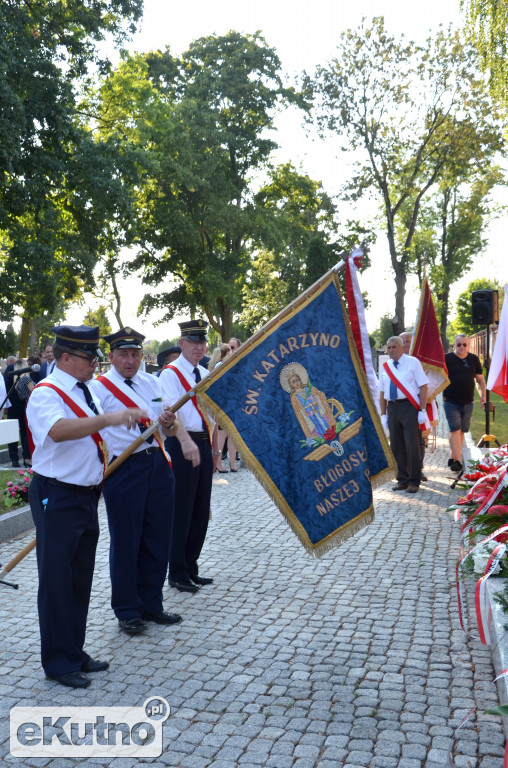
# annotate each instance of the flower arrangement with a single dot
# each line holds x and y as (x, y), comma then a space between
(483, 513)
(17, 492)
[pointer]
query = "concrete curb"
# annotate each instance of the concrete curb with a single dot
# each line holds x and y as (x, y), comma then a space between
(499, 641)
(14, 523)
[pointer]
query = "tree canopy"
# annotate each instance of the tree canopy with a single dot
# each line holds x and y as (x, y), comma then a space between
(487, 23)
(410, 112)
(54, 178)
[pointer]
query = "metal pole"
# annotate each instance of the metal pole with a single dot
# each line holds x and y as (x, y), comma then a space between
(487, 398)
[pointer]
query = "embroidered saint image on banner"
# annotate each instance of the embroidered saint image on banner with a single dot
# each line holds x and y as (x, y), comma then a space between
(324, 422)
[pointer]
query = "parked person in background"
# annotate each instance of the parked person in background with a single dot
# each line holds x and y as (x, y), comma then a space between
(406, 337)
(464, 371)
(167, 356)
(234, 343)
(48, 361)
(403, 399)
(219, 355)
(19, 392)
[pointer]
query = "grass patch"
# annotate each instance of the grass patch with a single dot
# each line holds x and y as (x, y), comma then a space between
(499, 427)
(5, 476)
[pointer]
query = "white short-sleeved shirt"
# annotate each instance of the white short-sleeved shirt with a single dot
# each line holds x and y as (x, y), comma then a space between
(3, 392)
(410, 373)
(173, 390)
(147, 394)
(71, 461)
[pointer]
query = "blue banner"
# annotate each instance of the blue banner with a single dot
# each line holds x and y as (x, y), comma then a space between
(297, 404)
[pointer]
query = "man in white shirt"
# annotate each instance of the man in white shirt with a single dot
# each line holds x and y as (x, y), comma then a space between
(139, 494)
(403, 398)
(193, 484)
(69, 457)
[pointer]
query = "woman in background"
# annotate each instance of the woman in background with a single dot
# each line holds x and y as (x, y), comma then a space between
(219, 355)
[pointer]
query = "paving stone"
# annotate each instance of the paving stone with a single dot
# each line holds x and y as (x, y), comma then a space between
(316, 665)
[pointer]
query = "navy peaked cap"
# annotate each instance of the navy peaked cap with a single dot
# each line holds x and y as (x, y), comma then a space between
(195, 330)
(78, 337)
(126, 338)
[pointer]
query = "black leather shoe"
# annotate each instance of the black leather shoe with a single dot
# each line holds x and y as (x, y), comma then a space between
(424, 478)
(132, 626)
(399, 487)
(94, 665)
(163, 618)
(73, 680)
(184, 586)
(202, 580)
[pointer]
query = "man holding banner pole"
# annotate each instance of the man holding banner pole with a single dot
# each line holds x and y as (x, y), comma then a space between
(69, 458)
(403, 401)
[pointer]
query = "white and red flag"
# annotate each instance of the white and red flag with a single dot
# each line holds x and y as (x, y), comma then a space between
(356, 310)
(427, 347)
(498, 374)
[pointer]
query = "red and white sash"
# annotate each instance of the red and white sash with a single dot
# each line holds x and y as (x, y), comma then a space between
(185, 384)
(81, 414)
(393, 377)
(126, 400)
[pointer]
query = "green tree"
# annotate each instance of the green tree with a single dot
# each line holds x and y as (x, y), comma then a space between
(487, 25)
(205, 122)
(99, 317)
(409, 110)
(8, 341)
(52, 173)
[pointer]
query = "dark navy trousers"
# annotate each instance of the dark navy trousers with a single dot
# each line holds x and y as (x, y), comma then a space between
(193, 488)
(405, 441)
(67, 530)
(139, 504)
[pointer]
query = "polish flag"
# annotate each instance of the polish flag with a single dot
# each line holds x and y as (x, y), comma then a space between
(356, 310)
(498, 374)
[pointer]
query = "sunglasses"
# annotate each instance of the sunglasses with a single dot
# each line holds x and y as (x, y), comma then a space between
(461, 344)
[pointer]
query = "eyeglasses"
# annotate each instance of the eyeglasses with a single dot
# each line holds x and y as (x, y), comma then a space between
(90, 360)
(195, 343)
(461, 344)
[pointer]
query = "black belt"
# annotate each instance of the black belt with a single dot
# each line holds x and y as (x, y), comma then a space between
(199, 435)
(399, 400)
(70, 486)
(151, 449)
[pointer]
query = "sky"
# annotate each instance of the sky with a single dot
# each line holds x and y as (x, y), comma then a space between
(304, 35)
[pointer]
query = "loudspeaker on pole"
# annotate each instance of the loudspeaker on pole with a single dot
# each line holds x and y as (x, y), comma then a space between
(484, 307)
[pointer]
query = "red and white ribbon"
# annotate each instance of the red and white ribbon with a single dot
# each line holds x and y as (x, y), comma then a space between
(480, 595)
(451, 761)
(458, 576)
(488, 500)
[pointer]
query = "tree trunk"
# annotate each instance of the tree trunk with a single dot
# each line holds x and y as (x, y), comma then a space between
(444, 303)
(227, 324)
(33, 337)
(25, 329)
(398, 322)
(118, 300)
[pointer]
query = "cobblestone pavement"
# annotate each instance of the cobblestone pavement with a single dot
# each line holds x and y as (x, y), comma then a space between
(350, 661)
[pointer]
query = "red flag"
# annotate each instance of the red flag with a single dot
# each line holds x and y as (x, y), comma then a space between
(427, 347)
(498, 374)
